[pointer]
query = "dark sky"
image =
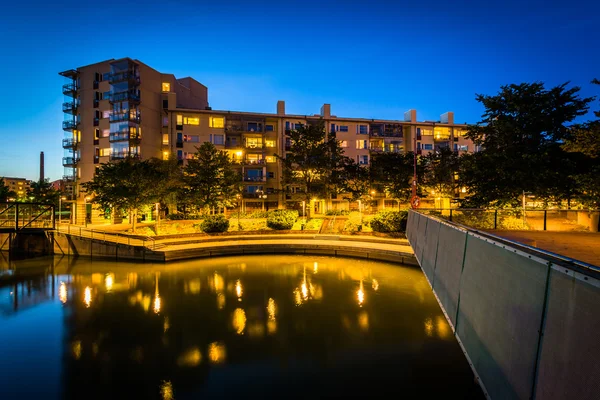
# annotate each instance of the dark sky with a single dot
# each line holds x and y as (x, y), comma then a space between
(371, 59)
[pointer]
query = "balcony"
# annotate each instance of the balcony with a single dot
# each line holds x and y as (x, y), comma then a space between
(70, 161)
(123, 136)
(68, 178)
(123, 156)
(124, 117)
(69, 143)
(70, 89)
(129, 96)
(253, 162)
(69, 125)
(441, 138)
(255, 178)
(253, 145)
(126, 76)
(70, 107)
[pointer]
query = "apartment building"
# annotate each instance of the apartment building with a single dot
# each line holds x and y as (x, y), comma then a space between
(18, 185)
(123, 108)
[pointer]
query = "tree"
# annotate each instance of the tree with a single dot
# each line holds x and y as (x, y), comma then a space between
(315, 163)
(356, 180)
(42, 192)
(128, 184)
(210, 178)
(519, 131)
(170, 184)
(392, 174)
(441, 168)
(5, 192)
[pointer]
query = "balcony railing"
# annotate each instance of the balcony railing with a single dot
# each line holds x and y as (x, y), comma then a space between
(70, 107)
(123, 136)
(253, 145)
(441, 138)
(124, 117)
(68, 178)
(123, 156)
(69, 125)
(124, 96)
(69, 143)
(255, 178)
(253, 162)
(122, 77)
(70, 161)
(70, 89)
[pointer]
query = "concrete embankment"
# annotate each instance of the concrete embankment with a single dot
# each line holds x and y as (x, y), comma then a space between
(526, 319)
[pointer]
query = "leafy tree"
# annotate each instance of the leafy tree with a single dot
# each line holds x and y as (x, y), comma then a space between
(170, 185)
(519, 132)
(392, 173)
(42, 192)
(441, 168)
(128, 184)
(315, 163)
(5, 192)
(210, 178)
(356, 180)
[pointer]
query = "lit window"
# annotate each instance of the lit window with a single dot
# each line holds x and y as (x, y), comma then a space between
(165, 138)
(269, 143)
(179, 119)
(191, 138)
(166, 87)
(105, 132)
(105, 152)
(165, 155)
(270, 159)
(217, 122)
(343, 143)
(362, 144)
(191, 121)
(426, 132)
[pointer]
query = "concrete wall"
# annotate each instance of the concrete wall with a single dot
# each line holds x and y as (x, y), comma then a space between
(528, 325)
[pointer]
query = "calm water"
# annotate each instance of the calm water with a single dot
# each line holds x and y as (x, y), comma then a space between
(237, 327)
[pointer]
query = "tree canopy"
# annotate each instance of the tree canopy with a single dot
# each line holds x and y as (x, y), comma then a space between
(5, 192)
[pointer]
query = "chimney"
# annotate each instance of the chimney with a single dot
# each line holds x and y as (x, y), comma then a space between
(281, 107)
(326, 111)
(410, 116)
(447, 118)
(41, 166)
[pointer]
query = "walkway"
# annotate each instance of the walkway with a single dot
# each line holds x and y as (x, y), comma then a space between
(583, 246)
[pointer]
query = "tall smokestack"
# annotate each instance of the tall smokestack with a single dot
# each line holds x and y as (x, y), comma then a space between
(41, 166)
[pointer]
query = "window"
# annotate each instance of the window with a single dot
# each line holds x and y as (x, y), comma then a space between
(363, 129)
(165, 138)
(298, 126)
(165, 103)
(270, 174)
(105, 152)
(363, 160)
(254, 142)
(180, 154)
(343, 143)
(426, 132)
(191, 138)
(165, 121)
(463, 148)
(270, 159)
(442, 133)
(191, 121)
(165, 155)
(287, 125)
(343, 128)
(427, 146)
(254, 127)
(362, 144)
(166, 87)
(332, 128)
(96, 133)
(217, 122)
(269, 143)
(105, 132)
(459, 133)
(269, 128)
(179, 119)
(106, 114)
(218, 139)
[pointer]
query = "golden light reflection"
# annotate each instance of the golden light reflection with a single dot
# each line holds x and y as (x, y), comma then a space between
(218, 283)
(193, 286)
(429, 327)
(304, 289)
(157, 304)
(76, 349)
(216, 353)
(297, 297)
(271, 327)
(95, 349)
(238, 289)
(443, 329)
(87, 296)
(62, 292)
(146, 300)
(191, 358)
(109, 281)
(271, 309)
(220, 301)
(360, 294)
(239, 321)
(166, 391)
(375, 285)
(316, 267)
(363, 321)
(166, 325)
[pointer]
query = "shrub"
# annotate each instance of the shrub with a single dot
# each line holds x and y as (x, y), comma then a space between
(352, 226)
(389, 221)
(182, 216)
(313, 224)
(252, 214)
(337, 212)
(281, 219)
(215, 223)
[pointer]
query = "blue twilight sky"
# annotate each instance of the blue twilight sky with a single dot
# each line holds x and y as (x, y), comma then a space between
(372, 59)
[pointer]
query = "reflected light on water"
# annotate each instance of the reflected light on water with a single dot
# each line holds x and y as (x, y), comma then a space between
(157, 304)
(76, 349)
(316, 267)
(87, 296)
(62, 292)
(166, 391)
(238, 289)
(166, 324)
(239, 321)
(443, 329)
(429, 327)
(109, 281)
(218, 283)
(193, 286)
(220, 301)
(191, 358)
(216, 353)
(297, 297)
(375, 285)
(271, 309)
(363, 321)
(360, 294)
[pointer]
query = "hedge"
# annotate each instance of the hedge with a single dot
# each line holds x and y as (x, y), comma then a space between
(389, 221)
(214, 224)
(281, 219)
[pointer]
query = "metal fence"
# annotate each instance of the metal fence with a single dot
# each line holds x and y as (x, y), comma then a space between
(109, 237)
(519, 219)
(18, 216)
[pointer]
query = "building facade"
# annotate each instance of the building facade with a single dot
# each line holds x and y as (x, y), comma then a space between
(123, 108)
(18, 185)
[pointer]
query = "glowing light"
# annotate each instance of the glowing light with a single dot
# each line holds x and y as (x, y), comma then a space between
(375, 285)
(443, 329)
(62, 292)
(429, 327)
(157, 304)
(146, 300)
(463, 190)
(360, 294)
(271, 327)
(109, 281)
(271, 309)
(304, 291)
(87, 296)
(216, 353)
(363, 321)
(239, 321)
(220, 301)
(166, 325)
(166, 390)
(218, 282)
(193, 286)
(238, 289)
(238, 153)
(191, 358)
(297, 297)
(76, 349)
(316, 267)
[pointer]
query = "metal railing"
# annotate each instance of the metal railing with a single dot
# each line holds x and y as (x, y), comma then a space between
(18, 216)
(111, 237)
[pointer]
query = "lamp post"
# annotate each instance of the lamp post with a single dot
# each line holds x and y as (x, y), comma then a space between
(303, 210)
(239, 209)
(60, 199)
(85, 200)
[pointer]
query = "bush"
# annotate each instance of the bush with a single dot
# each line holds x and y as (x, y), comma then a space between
(251, 215)
(352, 226)
(337, 212)
(215, 223)
(281, 219)
(389, 221)
(182, 216)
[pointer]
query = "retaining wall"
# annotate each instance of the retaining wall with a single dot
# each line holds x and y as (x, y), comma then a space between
(527, 324)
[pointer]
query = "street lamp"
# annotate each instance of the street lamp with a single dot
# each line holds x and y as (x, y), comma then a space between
(60, 199)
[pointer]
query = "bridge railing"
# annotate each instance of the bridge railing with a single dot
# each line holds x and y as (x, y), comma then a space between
(17, 216)
(107, 236)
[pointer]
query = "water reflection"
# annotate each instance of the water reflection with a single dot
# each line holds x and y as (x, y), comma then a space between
(184, 327)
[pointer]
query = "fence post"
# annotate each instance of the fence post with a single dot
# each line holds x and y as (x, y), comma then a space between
(450, 215)
(496, 219)
(545, 218)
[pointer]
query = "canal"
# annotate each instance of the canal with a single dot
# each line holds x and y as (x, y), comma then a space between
(253, 326)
